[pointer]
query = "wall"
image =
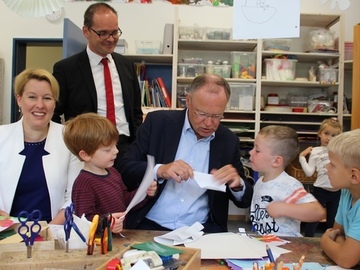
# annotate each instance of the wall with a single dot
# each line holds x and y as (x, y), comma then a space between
(138, 22)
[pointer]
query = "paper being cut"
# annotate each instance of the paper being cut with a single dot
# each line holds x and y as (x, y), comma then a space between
(181, 235)
(207, 181)
(145, 184)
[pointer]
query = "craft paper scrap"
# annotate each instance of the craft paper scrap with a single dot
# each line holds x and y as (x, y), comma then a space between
(181, 235)
(7, 222)
(233, 246)
(207, 181)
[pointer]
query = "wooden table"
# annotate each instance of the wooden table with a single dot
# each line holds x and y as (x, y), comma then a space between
(310, 247)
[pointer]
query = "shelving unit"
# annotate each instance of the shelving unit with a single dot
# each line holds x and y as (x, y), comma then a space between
(246, 124)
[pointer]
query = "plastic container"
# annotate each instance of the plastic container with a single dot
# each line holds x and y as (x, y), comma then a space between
(243, 65)
(273, 99)
(328, 75)
(282, 44)
(148, 46)
(242, 97)
(191, 32)
(190, 70)
(218, 33)
(280, 69)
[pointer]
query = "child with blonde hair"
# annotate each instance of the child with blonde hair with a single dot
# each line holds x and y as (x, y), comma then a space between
(342, 242)
(322, 189)
(280, 201)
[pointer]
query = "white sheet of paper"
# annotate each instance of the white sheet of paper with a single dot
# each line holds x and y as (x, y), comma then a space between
(181, 235)
(207, 181)
(232, 246)
(140, 265)
(145, 184)
(266, 19)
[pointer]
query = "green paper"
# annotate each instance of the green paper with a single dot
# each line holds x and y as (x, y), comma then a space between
(160, 249)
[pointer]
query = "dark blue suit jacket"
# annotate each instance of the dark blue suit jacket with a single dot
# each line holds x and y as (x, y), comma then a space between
(78, 92)
(159, 136)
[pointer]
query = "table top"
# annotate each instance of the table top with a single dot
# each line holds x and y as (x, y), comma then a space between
(309, 247)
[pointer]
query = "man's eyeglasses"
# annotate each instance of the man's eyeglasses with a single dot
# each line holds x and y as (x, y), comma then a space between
(203, 116)
(105, 35)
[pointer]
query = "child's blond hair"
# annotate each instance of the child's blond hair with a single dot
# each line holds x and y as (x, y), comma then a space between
(347, 147)
(285, 142)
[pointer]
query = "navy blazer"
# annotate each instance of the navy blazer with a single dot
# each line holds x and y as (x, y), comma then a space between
(78, 92)
(159, 136)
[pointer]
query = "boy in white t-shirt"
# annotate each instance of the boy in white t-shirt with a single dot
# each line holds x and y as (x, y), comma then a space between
(280, 202)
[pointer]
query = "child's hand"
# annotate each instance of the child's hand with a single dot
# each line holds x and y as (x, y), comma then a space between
(306, 151)
(151, 191)
(119, 220)
(332, 233)
(275, 209)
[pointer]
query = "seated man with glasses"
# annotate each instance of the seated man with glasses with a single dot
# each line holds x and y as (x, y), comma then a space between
(99, 80)
(184, 141)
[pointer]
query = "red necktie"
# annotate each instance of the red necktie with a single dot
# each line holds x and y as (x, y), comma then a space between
(110, 107)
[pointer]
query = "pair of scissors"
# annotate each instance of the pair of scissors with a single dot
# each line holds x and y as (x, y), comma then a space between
(27, 232)
(92, 233)
(69, 224)
(105, 226)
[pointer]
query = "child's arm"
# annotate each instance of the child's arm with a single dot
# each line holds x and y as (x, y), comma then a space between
(308, 167)
(345, 252)
(306, 212)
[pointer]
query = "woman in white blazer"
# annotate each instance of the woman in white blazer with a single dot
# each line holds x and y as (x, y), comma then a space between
(37, 170)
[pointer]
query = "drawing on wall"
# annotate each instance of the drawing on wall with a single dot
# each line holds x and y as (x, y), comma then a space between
(258, 11)
(254, 19)
(343, 4)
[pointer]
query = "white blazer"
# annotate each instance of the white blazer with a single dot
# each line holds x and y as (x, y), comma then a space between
(60, 166)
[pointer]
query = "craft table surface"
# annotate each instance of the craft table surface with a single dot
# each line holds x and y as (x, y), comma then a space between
(310, 247)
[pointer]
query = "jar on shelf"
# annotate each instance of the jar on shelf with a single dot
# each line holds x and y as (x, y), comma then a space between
(273, 99)
(210, 67)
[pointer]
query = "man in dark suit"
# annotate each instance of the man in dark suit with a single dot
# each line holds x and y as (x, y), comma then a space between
(183, 142)
(81, 77)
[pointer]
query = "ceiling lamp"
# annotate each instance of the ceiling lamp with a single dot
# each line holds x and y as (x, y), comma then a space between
(34, 8)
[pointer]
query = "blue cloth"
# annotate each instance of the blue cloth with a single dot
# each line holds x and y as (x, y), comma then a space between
(32, 191)
(191, 202)
(349, 216)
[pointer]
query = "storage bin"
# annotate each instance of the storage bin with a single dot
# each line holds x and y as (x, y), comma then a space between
(190, 70)
(218, 33)
(280, 69)
(281, 44)
(221, 70)
(148, 46)
(242, 97)
(191, 32)
(327, 75)
(243, 65)
(182, 89)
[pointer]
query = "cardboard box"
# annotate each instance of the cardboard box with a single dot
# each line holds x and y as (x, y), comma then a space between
(14, 243)
(191, 255)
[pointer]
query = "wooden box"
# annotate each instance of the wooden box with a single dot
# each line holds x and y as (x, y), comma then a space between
(14, 243)
(191, 255)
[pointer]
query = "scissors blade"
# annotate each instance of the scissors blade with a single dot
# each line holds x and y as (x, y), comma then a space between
(29, 251)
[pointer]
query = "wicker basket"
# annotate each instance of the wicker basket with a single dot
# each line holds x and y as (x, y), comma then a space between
(294, 169)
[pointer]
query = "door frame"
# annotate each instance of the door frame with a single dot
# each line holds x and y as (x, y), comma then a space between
(19, 62)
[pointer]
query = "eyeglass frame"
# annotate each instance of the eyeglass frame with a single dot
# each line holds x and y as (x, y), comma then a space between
(109, 34)
(203, 115)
